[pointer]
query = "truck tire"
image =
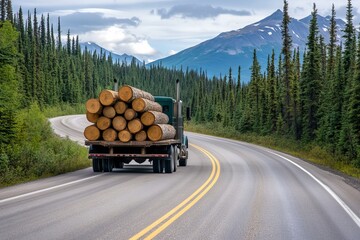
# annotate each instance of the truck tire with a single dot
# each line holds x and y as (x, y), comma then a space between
(157, 166)
(169, 163)
(97, 165)
(183, 162)
(108, 165)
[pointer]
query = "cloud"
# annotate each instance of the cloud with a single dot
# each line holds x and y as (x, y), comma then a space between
(81, 22)
(120, 40)
(197, 11)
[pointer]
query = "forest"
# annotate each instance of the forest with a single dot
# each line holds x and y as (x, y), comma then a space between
(313, 99)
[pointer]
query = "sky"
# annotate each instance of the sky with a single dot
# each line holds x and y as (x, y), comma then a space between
(154, 29)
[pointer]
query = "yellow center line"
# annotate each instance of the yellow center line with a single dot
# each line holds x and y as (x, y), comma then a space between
(187, 203)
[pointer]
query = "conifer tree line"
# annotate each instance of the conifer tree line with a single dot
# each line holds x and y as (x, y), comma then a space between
(313, 98)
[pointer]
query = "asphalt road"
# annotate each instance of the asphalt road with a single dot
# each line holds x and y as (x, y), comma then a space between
(229, 190)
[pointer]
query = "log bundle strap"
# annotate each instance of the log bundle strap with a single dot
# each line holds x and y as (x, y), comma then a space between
(126, 115)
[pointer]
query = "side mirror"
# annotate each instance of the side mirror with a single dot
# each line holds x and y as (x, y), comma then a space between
(188, 114)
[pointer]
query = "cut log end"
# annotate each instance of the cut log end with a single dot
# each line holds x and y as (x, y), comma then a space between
(103, 123)
(130, 114)
(92, 117)
(141, 136)
(92, 133)
(120, 107)
(142, 105)
(151, 117)
(93, 105)
(135, 126)
(161, 132)
(119, 123)
(109, 112)
(128, 93)
(109, 135)
(125, 136)
(108, 97)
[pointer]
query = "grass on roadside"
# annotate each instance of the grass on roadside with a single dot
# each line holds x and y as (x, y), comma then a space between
(309, 152)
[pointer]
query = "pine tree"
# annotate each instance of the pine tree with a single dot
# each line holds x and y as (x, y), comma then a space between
(311, 81)
(286, 52)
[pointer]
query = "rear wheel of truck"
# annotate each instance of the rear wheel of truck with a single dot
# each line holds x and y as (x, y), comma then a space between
(97, 165)
(108, 165)
(157, 166)
(183, 162)
(169, 163)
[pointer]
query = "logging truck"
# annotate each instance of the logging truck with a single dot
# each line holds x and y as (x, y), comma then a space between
(163, 155)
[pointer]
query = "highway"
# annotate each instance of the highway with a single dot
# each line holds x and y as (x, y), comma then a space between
(229, 190)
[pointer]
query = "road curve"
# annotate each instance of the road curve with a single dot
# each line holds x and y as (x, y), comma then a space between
(254, 193)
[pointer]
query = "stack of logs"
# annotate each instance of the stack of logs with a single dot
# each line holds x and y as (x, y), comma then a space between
(129, 114)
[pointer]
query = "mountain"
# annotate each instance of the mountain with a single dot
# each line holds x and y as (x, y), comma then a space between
(234, 48)
(92, 47)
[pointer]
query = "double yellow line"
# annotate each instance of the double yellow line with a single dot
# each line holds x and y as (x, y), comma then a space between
(154, 229)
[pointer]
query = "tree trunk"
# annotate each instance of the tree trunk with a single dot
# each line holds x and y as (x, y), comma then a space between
(109, 112)
(103, 123)
(92, 133)
(141, 136)
(109, 135)
(159, 132)
(125, 135)
(120, 107)
(119, 123)
(108, 97)
(151, 117)
(143, 105)
(93, 105)
(92, 117)
(135, 126)
(130, 114)
(128, 93)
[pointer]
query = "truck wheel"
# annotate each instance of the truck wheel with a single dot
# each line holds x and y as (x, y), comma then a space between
(183, 162)
(108, 165)
(157, 166)
(96, 163)
(169, 163)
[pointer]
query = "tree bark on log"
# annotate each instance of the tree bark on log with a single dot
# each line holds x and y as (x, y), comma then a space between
(120, 107)
(143, 105)
(141, 136)
(125, 135)
(92, 133)
(119, 123)
(92, 117)
(103, 123)
(159, 132)
(110, 135)
(108, 97)
(151, 117)
(128, 93)
(135, 126)
(130, 114)
(93, 105)
(109, 112)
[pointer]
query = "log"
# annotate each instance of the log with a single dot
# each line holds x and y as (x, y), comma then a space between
(120, 107)
(143, 105)
(119, 123)
(103, 123)
(93, 105)
(92, 133)
(109, 112)
(92, 117)
(130, 114)
(159, 132)
(110, 135)
(151, 117)
(135, 126)
(128, 93)
(125, 135)
(141, 136)
(108, 97)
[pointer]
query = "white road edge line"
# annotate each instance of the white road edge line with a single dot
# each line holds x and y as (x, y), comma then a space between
(46, 189)
(347, 209)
